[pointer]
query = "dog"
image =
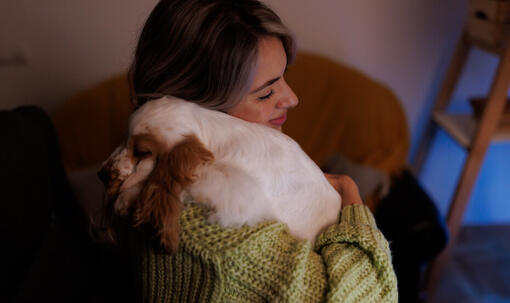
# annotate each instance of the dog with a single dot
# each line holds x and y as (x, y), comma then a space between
(245, 172)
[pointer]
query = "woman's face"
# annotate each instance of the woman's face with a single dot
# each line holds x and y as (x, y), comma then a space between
(269, 96)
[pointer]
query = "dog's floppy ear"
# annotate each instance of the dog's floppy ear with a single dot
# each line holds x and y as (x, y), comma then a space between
(159, 201)
(107, 227)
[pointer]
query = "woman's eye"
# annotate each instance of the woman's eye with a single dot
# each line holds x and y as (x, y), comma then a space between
(266, 96)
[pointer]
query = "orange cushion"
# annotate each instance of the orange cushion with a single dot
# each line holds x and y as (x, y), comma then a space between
(341, 110)
(91, 124)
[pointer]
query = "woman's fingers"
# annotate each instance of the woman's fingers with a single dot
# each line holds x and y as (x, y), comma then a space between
(346, 187)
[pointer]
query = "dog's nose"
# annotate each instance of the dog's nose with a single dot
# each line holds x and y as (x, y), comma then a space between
(104, 176)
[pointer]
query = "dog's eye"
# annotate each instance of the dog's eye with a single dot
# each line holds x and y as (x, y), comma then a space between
(138, 153)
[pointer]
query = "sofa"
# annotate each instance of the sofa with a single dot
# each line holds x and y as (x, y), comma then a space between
(342, 112)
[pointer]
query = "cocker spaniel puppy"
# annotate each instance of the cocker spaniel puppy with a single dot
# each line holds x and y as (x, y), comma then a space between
(245, 172)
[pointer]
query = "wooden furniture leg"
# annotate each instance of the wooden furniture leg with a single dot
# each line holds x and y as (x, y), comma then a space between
(486, 127)
(443, 99)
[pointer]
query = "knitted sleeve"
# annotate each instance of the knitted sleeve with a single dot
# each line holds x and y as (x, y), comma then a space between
(357, 259)
(349, 263)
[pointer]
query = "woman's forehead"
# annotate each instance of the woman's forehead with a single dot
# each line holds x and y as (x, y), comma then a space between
(271, 62)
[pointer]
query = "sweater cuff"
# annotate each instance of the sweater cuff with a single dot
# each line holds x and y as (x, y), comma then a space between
(357, 226)
(357, 214)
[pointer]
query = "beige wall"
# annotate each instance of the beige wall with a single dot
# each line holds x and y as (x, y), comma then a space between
(405, 44)
(72, 44)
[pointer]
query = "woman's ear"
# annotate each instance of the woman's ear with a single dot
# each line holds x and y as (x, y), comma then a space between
(159, 201)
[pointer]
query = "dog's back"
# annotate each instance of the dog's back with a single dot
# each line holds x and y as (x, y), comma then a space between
(257, 174)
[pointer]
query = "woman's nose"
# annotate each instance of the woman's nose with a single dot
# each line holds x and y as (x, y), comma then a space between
(288, 98)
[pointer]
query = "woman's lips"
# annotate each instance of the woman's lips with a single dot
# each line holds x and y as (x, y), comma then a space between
(279, 121)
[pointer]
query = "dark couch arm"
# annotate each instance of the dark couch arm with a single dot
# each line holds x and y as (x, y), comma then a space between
(48, 254)
(32, 185)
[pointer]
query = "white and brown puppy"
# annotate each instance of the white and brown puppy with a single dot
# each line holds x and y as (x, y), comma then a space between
(246, 172)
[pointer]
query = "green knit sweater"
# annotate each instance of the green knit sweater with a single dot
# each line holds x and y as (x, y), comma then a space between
(350, 262)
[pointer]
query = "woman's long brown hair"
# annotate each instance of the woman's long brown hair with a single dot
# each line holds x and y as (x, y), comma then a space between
(203, 51)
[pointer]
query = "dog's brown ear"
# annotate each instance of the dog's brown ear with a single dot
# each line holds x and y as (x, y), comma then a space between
(159, 202)
(105, 227)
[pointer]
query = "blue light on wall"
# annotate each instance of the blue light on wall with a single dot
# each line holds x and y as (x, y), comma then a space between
(490, 199)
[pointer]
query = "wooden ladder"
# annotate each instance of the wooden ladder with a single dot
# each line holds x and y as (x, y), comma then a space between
(487, 27)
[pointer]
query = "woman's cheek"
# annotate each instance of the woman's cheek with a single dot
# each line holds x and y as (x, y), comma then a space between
(247, 113)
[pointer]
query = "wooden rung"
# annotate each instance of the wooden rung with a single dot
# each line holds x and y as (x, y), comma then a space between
(488, 24)
(480, 103)
(497, 50)
(494, 10)
(462, 128)
(488, 35)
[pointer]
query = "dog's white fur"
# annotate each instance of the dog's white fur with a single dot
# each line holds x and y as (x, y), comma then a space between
(257, 174)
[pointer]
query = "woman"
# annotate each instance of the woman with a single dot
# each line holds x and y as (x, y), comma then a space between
(231, 55)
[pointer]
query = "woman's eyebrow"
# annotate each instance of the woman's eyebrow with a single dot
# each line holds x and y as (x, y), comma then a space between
(265, 85)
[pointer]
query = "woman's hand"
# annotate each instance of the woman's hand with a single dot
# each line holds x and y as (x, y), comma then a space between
(346, 187)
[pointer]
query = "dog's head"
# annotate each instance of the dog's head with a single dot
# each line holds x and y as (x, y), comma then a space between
(144, 179)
